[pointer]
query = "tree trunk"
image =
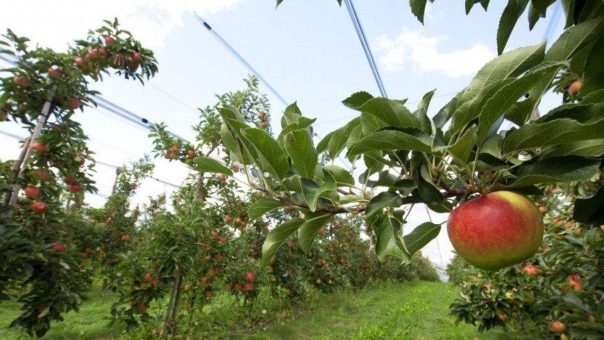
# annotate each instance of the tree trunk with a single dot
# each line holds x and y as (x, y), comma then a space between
(170, 324)
(21, 163)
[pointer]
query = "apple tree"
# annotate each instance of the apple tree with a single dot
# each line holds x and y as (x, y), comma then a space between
(41, 93)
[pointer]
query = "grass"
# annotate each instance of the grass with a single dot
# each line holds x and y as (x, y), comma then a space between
(90, 322)
(402, 311)
(393, 311)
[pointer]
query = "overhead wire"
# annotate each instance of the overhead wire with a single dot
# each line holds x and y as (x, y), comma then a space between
(14, 136)
(239, 57)
(356, 22)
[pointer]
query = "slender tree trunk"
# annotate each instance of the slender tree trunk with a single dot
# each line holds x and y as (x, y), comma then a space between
(170, 324)
(21, 163)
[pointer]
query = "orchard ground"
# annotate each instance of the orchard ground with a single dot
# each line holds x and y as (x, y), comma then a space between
(417, 310)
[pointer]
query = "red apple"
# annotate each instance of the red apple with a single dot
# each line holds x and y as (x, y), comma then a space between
(136, 57)
(75, 188)
(39, 207)
(54, 72)
(228, 219)
(42, 174)
(60, 247)
(530, 269)
(70, 180)
(261, 115)
(39, 147)
(20, 80)
(92, 54)
(250, 276)
(557, 326)
(574, 281)
(109, 40)
(132, 66)
(248, 287)
(143, 308)
(80, 62)
(80, 159)
(575, 87)
(191, 153)
(74, 103)
(265, 123)
(32, 192)
(222, 178)
(496, 230)
(148, 277)
(102, 52)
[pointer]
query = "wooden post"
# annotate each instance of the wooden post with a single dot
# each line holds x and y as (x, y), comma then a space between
(170, 324)
(10, 198)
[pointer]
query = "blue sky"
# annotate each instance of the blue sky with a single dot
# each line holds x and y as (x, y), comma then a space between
(308, 51)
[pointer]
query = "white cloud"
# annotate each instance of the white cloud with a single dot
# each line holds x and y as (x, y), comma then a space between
(54, 23)
(418, 51)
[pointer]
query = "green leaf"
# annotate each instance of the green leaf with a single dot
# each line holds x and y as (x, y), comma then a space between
(301, 124)
(552, 170)
(276, 237)
(471, 3)
(509, 18)
(356, 100)
(272, 156)
(205, 164)
(341, 175)
(337, 140)
(405, 186)
(594, 97)
(509, 94)
(586, 148)
(417, 8)
(387, 232)
(430, 195)
(542, 5)
(555, 132)
(262, 206)
(462, 148)
(291, 115)
(533, 17)
(309, 229)
(590, 210)
(490, 78)
(575, 38)
(580, 112)
(392, 112)
(509, 64)
(383, 200)
(230, 142)
(300, 149)
(594, 70)
(422, 113)
(420, 236)
(392, 140)
(311, 192)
